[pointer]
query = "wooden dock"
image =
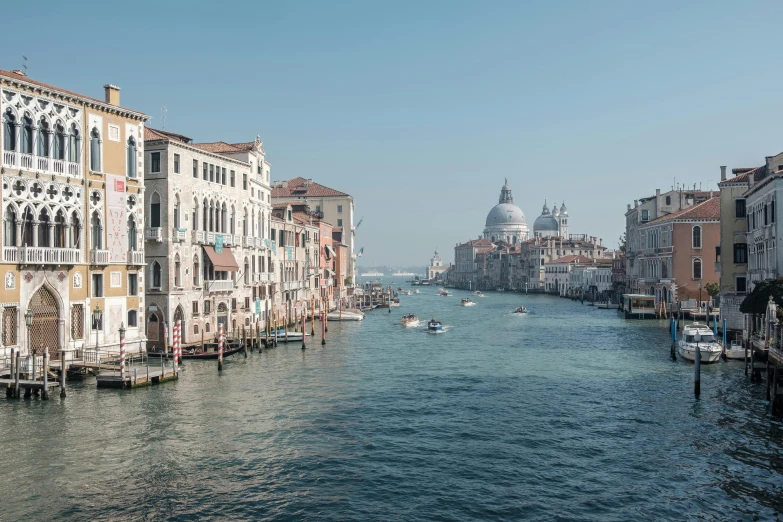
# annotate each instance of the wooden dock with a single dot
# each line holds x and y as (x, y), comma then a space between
(137, 377)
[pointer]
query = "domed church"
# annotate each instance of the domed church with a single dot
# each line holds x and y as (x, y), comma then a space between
(551, 224)
(506, 221)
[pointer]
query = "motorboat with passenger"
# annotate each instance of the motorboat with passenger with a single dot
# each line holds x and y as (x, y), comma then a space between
(466, 301)
(699, 337)
(435, 326)
(520, 310)
(410, 321)
(478, 293)
(443, 291)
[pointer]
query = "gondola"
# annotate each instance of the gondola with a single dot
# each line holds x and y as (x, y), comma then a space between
(191, 353)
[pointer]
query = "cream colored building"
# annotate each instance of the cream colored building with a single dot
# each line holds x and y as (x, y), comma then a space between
(733, 266)
(73, 214)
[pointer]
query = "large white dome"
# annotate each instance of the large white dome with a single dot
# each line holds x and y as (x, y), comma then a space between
(505, 214)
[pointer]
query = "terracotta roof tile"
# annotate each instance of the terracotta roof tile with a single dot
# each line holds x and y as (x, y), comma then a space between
(709, 209)
(302, 188)
(250, 145)
(216, 147)
(21, 77)
(151, 134)
(571, 259)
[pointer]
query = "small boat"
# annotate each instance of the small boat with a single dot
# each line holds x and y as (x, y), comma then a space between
(443, 291)
(399, 289)
(606, 305)
(520, 310)
(500, 289)
(435, 326)
(292, 336)
(394, 303)
(467, 302)
(195, 352)
(345, 315)
(699, 337)
(735, 350)
(478, 293)
(405, 292)
(410, 321)
(415, 290)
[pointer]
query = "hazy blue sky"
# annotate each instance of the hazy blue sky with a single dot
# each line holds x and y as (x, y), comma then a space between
(420, 109)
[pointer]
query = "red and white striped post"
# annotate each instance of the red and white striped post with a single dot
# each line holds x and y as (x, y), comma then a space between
(220, 347)
(122, 353)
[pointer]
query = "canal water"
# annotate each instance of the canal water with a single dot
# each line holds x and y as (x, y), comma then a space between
(568, 413)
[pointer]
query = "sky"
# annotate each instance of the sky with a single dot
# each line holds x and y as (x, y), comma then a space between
(420, 110)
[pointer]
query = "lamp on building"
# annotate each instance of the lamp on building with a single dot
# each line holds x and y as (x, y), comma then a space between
(97, 316)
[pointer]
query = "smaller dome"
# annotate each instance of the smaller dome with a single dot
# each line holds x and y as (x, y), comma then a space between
(545, 223)
(563, 209)
(555, 212)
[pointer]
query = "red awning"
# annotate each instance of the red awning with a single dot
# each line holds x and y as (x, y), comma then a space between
(223, 261)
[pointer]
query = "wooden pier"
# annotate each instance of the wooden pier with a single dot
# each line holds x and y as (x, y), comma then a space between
(137, 377)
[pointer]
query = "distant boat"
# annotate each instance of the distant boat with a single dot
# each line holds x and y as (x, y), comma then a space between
(394, 303)
(467, 302)
(520, 310)
(403, 274)
(478, 293)
(410, 321)
(435, 326)
(500, 289)
(372, 273)
(443, 291)
(415, 290)
(345, 315)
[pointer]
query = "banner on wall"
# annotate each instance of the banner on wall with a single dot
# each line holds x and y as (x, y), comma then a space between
(116, 219)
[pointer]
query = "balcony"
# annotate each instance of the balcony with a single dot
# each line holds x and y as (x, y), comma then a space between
(42, 255)
(136, 257)
(99, 257)
(219, 285)
(178, 234)
(199, 236)
(153, 234)
(249, 242)
(17, 160)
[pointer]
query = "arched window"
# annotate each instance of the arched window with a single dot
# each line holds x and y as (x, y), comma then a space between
(43, 228)
(9, 228)
(205, 216)
(74, 145)
(131, 160)
(233, 220)
(27, 135)
(27, 227)
(244, 224)
(9, 131)
(206, 327)
(176, 211)
(697, 236)
(155, 210)
(211, 216)
(668, 200)
(195, 214)
(697, 268)
(75, 231)
(247, 272)
(59, 230)
(223, 213)
(132, 237)
(195, 270)
(96, 231)
(59, 142)
(43, 138)
(156, 274)
(177, 269)
(95, 150)
(132, 319)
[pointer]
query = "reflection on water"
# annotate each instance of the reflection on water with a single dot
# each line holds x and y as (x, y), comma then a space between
(566, 413)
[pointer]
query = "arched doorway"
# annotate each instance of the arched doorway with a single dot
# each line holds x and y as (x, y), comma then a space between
(45, 330)
(179, 315)
(153, 328)
(222, 316)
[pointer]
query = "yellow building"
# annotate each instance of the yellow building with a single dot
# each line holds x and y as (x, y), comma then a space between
(733, 246)
(71, 198)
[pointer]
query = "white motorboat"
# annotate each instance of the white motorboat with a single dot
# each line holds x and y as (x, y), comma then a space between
(500, 289)
(606, 305)
(520, 310)
(345, 315)
(443, 291)
(405, 292)
(467, 302)
(699, 337)
(435, 326)
(410, 321)
(281, 336)
(478, 293)
(415, 290)
(394, 303)
(735, 350)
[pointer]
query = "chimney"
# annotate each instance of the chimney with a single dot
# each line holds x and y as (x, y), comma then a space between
(723, 172)
(19, 72)
(629, 206)
(112, 94)
(635, 203)
(284, 184)
(768, 161)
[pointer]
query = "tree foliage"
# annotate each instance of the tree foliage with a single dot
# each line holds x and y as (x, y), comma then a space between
(756, 302)
(713, 289)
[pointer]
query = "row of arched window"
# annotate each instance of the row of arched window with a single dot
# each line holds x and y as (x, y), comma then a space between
(41, 228)
(29, 137)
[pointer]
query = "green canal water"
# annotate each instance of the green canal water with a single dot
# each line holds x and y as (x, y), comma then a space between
(568, 413)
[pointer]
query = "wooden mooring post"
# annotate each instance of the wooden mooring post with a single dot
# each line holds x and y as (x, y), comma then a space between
(62, 374)
(45, 394)
(697, 370)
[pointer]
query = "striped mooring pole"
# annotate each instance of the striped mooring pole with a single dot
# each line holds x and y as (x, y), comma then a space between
(122, 352)
(220, 347)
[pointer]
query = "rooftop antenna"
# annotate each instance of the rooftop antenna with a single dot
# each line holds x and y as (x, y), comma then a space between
(164, 110)
(24, 65)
